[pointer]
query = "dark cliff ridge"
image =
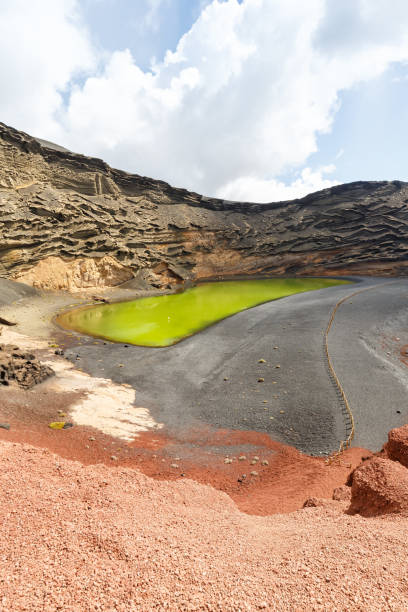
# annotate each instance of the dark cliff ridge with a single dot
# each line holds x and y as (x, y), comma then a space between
(54, 203)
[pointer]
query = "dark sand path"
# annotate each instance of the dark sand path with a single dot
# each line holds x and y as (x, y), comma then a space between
(11, 291)
(184, 386)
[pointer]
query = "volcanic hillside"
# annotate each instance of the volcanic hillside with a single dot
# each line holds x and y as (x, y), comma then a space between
(106, 227)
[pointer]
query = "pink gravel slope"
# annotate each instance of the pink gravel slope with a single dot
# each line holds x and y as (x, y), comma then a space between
(79, 538)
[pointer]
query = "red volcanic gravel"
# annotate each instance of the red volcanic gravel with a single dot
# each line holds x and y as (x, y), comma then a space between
(285, 477)
(78, 538)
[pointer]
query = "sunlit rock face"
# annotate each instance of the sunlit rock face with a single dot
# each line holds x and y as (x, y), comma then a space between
(57, 204)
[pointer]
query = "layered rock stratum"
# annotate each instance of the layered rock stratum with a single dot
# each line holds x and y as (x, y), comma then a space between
(68, 221)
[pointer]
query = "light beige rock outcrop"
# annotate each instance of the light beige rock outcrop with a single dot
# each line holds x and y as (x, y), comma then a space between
(56, 274)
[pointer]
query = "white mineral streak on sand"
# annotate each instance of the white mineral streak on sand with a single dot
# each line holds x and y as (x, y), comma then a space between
(394, 368)
(107, 406)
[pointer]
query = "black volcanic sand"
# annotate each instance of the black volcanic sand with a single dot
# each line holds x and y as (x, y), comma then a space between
(11, 291)
(212, 378)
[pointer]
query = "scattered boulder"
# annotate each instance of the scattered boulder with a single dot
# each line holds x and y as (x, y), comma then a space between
(380, 486)
(397, 445)
(21, 368)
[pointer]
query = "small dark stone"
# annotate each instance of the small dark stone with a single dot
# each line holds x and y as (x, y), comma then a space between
(97, 298)
(313, 502)
(398, 411)
(6, 322)
(4, 426)
(67, 425)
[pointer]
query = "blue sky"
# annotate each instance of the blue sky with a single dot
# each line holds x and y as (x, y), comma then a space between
(125, 24)
(371, 129)
(252, 99)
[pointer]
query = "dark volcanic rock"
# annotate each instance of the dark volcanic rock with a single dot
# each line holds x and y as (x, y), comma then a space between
(58, 204)
(21, 368)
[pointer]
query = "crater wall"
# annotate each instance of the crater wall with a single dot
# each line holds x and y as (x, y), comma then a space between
(57, 204)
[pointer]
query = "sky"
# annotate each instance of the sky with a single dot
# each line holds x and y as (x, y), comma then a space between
(253, 100)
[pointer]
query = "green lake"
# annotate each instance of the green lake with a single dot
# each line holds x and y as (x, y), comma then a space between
(166, 319)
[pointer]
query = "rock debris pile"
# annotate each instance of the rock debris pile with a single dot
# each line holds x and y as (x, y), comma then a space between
(21, 368)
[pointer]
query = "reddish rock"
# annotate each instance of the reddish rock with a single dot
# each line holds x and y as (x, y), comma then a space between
(342, 493)
(397, 446)
(380, 486)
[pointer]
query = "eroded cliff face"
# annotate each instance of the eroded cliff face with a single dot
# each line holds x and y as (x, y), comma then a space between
(57, 204)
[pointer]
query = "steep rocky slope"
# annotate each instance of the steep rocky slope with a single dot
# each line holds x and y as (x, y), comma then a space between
(89, 224)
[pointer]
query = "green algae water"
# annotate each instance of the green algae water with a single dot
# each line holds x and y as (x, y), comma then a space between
(166, 319)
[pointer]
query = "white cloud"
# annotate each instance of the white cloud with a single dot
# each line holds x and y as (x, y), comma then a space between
(43, 44)
(240, 101)
(251, 188)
